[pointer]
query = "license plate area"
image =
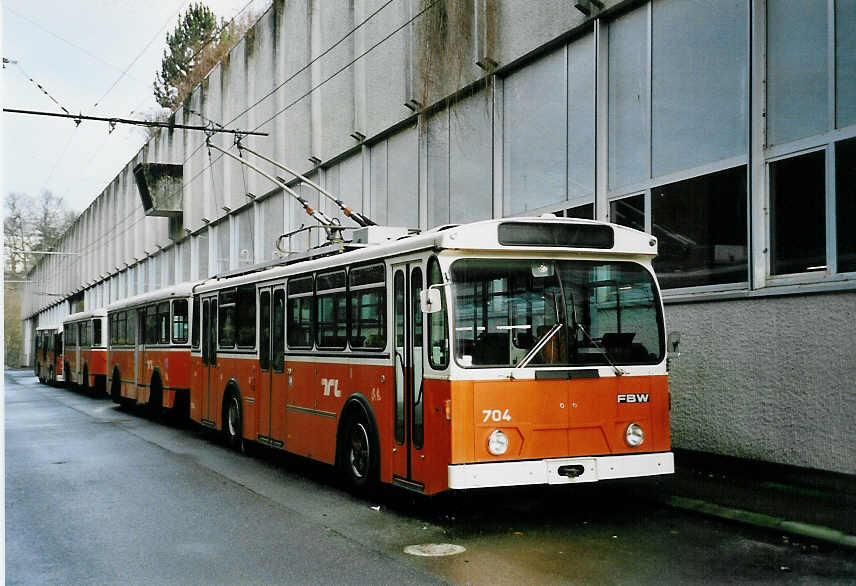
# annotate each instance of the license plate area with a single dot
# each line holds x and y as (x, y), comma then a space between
(571, 470)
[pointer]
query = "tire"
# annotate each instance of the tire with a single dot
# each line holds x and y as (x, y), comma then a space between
(67, 381)
(116, 387)
(84, 382)
(358, 455)
(233, 422)
(155, 404)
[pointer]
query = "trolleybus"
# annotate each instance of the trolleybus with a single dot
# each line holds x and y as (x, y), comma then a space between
(48, 363)
(149, 360)
(85, 355)
(503, 352)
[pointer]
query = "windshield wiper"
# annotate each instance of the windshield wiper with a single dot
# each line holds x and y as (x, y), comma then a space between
(618, 371)
(539, 345)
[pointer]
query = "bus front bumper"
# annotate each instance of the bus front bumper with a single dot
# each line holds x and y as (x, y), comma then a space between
(560, 470)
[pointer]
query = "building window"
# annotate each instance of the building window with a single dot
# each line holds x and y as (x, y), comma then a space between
(585, 212)
(701, 229)
(331, 309)
(368, 307)
(628, 211)
(798, 214)
(845, 204)
(300, 312)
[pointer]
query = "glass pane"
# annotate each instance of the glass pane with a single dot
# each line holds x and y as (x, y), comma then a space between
(579, 313)
(535, 135)
(222, 231)
(398, 357)
(438, 329)
(403, 175)
(202, 254)
(179, 321)
(417, 388)
(628, 211)
(585, 212)
(845, 63)
(273, 210)
(701, 230)
(798, 214)
(278, 346)
(378, 184)
(264, 330)
(797, 71)
(700, 83)
(246, 237)
(581, 117)
(246, 314)
(470, 160)
(438, 169)
(845, 204)
(629, 137)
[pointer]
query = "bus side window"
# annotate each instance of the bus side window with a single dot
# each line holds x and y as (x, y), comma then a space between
(179, 321)
(438, 329)
(278, 345)
(194, 330)
(96, 331)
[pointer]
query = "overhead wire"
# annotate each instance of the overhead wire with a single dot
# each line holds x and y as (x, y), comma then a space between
(320, 84)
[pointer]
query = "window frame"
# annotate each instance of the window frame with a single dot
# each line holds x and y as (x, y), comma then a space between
(353, 293)
(339, 296)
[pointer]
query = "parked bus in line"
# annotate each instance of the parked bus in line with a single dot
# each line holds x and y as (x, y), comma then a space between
(85, 355)
(149, 358)
(48, 363)
(503, 352)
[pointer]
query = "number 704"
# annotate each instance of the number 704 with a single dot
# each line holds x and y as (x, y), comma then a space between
(495, 415)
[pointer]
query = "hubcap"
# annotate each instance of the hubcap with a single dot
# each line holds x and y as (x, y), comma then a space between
(359, 456)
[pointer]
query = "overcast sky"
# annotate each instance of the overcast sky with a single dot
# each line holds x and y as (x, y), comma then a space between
(78, 50)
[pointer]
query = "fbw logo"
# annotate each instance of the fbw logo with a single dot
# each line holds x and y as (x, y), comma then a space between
(633, 398)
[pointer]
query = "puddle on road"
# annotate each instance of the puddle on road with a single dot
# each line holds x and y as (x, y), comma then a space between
(434, 549)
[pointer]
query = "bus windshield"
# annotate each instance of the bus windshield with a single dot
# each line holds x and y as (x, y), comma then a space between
(555, 313)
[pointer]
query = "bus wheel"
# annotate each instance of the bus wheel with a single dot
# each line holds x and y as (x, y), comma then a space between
(155, 404)
(232, 422)
(116, 387)
(84, 382)
(67, 382)
(51, 379)
(358, 456)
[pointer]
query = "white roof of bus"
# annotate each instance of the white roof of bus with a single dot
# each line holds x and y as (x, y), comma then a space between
(81, 315)
(477, 236)
(180, 290)
(52, 327)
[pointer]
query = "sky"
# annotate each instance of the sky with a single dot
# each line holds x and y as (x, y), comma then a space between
(95, 57)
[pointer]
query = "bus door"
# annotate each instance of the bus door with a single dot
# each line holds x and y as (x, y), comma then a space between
(272, 379)
(409, 453)
(139, 346)
(209, 359)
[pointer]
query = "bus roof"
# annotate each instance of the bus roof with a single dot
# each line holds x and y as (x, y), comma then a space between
(52, 327)
(184, 289)
(542, 235)
(81, 315)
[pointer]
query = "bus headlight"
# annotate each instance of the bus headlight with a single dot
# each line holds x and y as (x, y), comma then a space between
(633, 435)
(497, 443)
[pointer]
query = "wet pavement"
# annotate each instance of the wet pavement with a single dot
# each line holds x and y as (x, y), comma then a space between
(98, 494)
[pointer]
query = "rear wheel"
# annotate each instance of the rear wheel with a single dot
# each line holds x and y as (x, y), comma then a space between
(116, 387)
(233, 422)
(155, 404)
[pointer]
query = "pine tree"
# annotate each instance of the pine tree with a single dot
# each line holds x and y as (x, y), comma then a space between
(195, 29)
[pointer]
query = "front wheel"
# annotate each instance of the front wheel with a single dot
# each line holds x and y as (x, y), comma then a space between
(232, 423)
(358, 460)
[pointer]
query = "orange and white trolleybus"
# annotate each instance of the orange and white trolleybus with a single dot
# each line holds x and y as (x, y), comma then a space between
(48, 363)
(504, 352)
(85, 355)
(150, 349)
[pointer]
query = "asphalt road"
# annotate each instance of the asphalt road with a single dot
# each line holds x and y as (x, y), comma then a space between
(96, 494)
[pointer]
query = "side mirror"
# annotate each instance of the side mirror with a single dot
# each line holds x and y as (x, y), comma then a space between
(430, 300)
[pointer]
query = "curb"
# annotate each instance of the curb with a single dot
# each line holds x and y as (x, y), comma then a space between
(818, 532)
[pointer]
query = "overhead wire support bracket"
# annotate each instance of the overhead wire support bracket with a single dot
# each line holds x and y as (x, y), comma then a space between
(359, 218)
(331, 226)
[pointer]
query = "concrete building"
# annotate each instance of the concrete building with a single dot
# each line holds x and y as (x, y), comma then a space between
(727, 128)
